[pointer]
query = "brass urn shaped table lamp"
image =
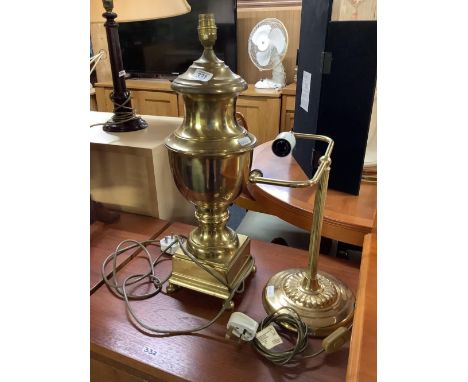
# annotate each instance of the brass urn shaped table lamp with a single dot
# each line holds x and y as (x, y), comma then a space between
(210, 157)
(323, 302)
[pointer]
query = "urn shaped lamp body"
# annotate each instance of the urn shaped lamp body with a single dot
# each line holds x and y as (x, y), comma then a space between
(210, 155)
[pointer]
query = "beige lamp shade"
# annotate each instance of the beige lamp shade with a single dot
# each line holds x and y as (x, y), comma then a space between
(139, 10)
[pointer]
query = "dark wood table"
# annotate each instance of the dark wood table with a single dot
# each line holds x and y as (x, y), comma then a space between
(121, 352)
(106, 237)
(347, 218)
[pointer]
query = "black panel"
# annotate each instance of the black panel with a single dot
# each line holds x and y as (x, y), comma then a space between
(346, 99)
(314, 20)
(342, 60)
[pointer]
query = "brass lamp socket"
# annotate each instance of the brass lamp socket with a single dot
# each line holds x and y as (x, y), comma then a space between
(207, 32)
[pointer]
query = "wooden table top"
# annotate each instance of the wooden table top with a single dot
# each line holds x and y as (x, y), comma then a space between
(106, 237)
(206, 356)
(347, 218)
(362, 364)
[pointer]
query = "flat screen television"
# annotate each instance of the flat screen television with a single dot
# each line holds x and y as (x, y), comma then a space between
(165, 48)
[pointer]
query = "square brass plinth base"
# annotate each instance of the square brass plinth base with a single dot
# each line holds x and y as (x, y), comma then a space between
(188, 274)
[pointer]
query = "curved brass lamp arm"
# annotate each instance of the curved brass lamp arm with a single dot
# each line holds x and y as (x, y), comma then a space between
(320, 179)
(256, 176)
(322, 301)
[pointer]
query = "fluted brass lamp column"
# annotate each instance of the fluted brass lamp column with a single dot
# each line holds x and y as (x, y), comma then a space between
(323, 302)
(210, 157)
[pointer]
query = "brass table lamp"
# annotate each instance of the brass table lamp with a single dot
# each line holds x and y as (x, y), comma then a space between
(323, 302)
(210, 157)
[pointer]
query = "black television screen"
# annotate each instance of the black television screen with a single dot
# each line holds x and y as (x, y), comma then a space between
(167, 47)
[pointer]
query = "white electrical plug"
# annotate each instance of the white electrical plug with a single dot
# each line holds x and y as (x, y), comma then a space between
(166, 241)
(242, 326)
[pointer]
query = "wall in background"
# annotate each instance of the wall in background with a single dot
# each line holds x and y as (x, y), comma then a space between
(354, 10)
(249, 13)
(99, 41)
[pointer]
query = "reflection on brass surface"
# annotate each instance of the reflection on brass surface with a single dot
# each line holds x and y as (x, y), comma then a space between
(211, 183)
(210, 155)
(323, 302)
(323, 310)
(299, 295)
(187, 274)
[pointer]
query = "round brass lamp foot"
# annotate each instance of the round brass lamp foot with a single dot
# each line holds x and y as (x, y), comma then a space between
(323, 310)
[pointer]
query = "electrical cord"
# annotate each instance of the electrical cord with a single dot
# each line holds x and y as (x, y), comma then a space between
(116, 288)
(95, 60)
(282, 316)
(120, 117)
(120, 290)
(292, 319)
(330, 344)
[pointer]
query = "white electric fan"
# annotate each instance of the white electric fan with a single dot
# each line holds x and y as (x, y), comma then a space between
(268, 43)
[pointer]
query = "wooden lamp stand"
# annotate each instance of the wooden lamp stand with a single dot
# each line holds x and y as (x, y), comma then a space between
(124, 118)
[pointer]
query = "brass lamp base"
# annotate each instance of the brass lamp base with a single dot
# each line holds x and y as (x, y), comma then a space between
(186, 273)
(323, 310)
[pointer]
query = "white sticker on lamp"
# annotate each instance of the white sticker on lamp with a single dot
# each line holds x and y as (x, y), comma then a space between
(202, 75)
(244, 141)
(306, 79)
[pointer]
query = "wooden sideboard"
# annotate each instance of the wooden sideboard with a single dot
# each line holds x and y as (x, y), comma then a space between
(149, 97)
(288, 106)
(92, 99)
(260, 107)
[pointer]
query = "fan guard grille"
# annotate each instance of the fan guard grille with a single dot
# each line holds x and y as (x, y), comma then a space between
(268, 27)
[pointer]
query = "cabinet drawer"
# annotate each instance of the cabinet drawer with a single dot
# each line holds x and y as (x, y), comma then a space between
(288, 107)
(157, 103)
(262, 116)
(290, 103)
(103, 99)
(104, 102)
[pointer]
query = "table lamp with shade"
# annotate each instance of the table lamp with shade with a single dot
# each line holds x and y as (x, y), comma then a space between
(124, 118)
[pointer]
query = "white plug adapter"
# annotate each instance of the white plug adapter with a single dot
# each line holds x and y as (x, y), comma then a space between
(166, 241)
(242, 326)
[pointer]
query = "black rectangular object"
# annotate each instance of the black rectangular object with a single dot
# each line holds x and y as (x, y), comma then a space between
(346, 99)
(167, 47)
(314, 22)
(342, 61)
